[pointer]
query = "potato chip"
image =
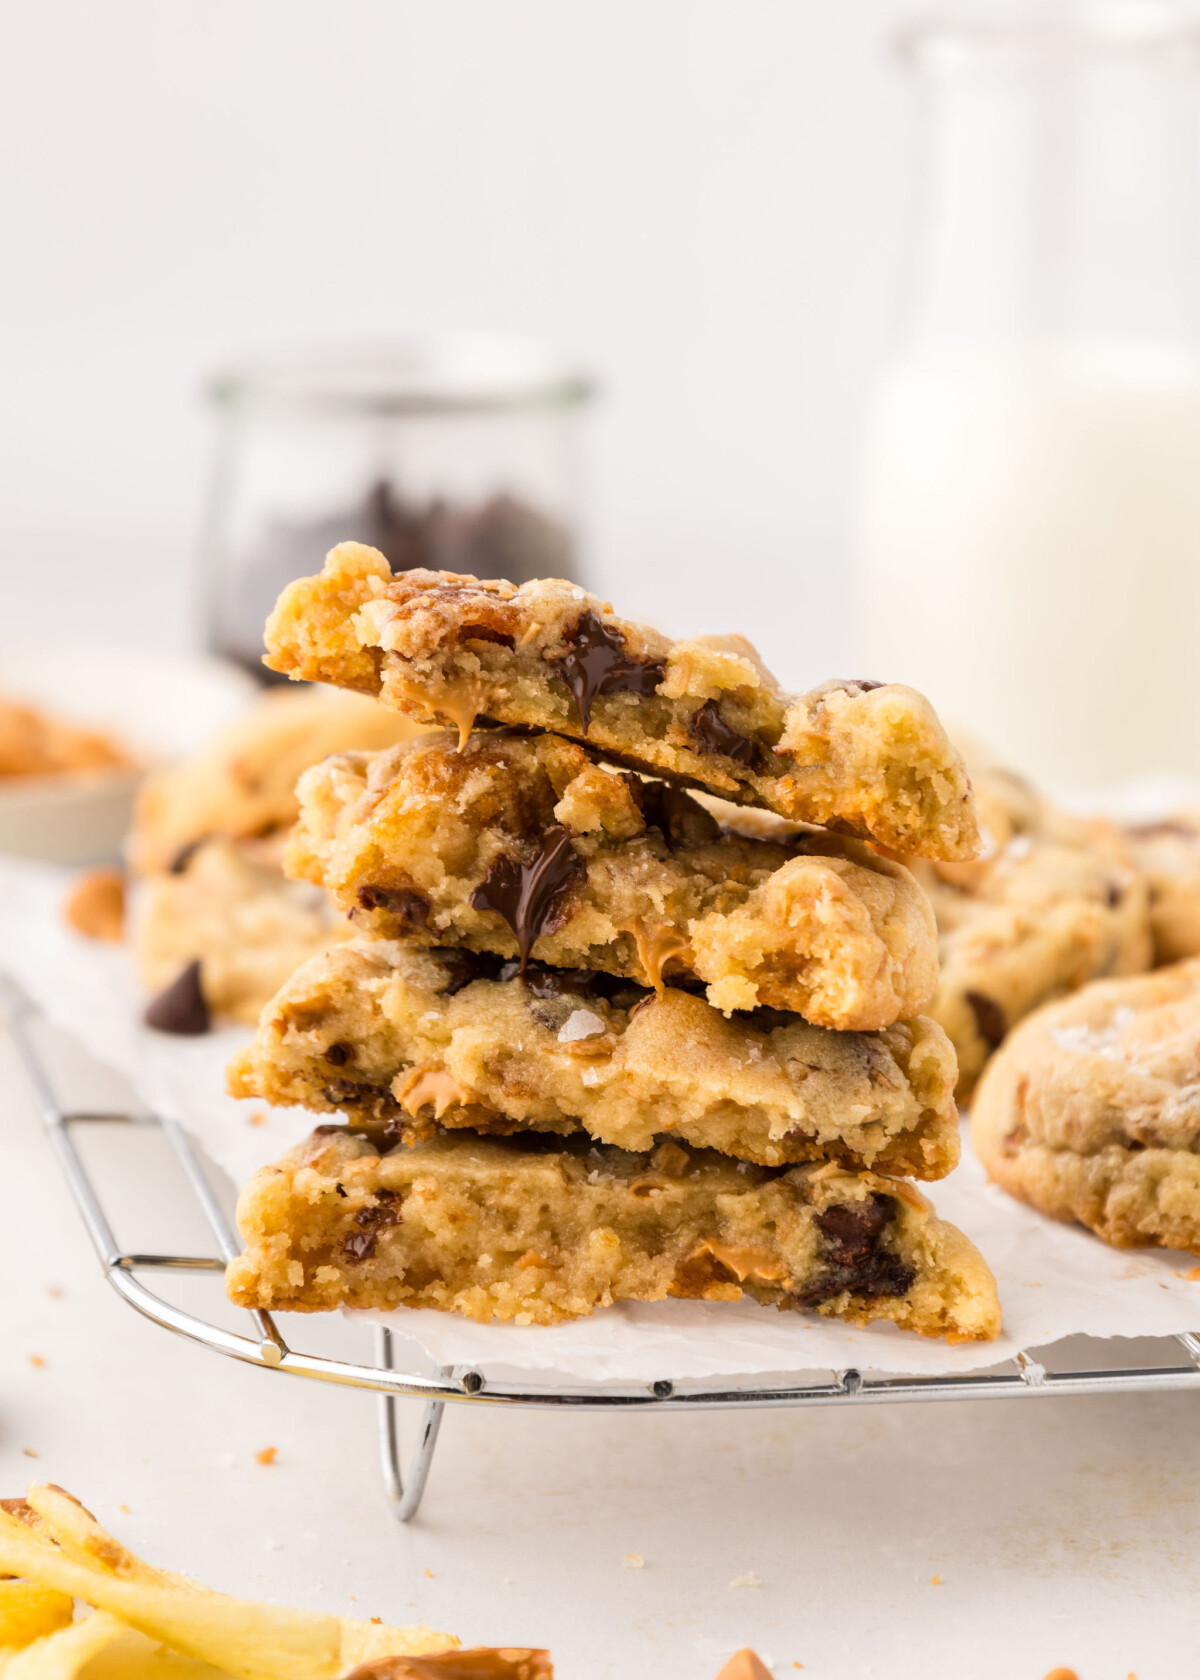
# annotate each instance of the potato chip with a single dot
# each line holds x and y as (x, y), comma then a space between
(53, 1541)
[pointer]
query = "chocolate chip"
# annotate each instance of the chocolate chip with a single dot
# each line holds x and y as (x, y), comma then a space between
(185, 854)
(857, 1261)
(400, 901)
(181, 1008)
(528, 892)
(341, 1190)
(677, 816)
(852, 1230)
(360, 1244)
(714, 735)
(341, 1091)
(340, 1054)
(596, 661)
(464, 966)
(863, 683)
(989, 1018)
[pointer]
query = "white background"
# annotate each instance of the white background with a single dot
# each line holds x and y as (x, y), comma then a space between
(701, 197)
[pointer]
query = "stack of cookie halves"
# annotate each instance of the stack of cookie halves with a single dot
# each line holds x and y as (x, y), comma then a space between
(636, 1006)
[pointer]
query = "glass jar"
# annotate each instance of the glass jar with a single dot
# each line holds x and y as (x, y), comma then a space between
(1030, 507)
(458, 452)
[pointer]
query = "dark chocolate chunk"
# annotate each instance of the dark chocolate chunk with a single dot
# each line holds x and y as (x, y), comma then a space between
(529, 891)
(389, 1210)
(464, 966)
(401, 901)
(989, 1018)
(596, 661)
(340, 1054)
(714, 735)
(852, 1231)
(341, 1190)
(677, 816)
(185, 854)
(182, 1007)
(858, 1262)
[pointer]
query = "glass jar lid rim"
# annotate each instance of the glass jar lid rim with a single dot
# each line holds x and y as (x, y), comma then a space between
(1120, 27)
(413, 373)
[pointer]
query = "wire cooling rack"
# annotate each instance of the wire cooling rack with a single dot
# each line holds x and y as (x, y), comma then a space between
(265, 1346)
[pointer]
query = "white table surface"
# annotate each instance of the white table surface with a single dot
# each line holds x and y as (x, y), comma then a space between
(1063, 1531)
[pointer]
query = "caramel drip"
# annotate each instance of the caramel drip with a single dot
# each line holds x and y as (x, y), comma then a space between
(656, 945)
(743, 1261)
(461, 705)
(431, 1085)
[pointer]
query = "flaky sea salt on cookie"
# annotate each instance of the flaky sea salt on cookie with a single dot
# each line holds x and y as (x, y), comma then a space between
(864, 758)
(1091, 1111)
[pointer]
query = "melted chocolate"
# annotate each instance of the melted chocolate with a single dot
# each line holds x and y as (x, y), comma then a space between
(340, 1054)
(596, 661)
(464, 966)
(714, 735)
(401, 901)
(989, 1018)
(857, 1260)
(677, 816)
(360, 1244)
(181, 1008)
(529, 895)
(478, 1664)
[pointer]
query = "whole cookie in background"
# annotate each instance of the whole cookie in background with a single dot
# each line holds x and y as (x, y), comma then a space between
(1168, 854)
(1054, 902)
(1091, 1111)
(242, 784)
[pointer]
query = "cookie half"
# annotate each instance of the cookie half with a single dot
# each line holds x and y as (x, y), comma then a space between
(523, 845)
(396, 1036)
(1091, 1111)
(864, 758)
(537, 1231)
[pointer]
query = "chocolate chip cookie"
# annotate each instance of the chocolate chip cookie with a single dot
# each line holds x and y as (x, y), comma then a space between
(1052, 903)
(1091, 1112)
(525, 846)
(553, 1228)
(1168, 854)
(396, 1036)
(864, 758)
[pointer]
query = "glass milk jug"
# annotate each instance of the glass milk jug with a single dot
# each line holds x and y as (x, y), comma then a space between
(1030, 497)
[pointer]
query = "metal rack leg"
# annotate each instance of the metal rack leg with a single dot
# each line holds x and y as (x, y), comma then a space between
(403, 1500)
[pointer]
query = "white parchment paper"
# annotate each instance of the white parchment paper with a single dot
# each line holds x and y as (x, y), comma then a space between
(1054, 1281)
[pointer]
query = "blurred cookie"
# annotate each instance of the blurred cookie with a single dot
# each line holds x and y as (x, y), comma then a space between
(1168, 854)
(1091, 1111)
(1055, 901)
(230, 910)
(243, 783)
